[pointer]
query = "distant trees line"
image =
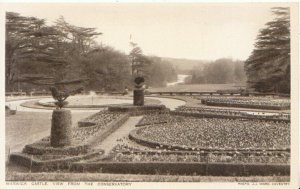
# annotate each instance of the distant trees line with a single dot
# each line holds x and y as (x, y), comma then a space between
(220, 71)
(36, 53)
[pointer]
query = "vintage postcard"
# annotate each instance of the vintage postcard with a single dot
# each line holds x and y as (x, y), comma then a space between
(164, 94)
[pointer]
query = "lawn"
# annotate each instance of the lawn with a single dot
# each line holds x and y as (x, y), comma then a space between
(28, 127)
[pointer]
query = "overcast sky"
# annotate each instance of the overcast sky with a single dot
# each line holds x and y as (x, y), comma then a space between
(193, 31)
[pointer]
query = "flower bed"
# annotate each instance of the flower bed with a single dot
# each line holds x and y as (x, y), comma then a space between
(235, 158)
(230, 114)
(157, 118)
(90, 126)
(256, 103)
(101, 118)
(123, 153)
(216, 134)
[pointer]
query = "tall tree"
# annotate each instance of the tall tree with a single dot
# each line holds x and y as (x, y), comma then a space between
(139, 62)
(268, 67)
(28, 43)
(107, 69)
(81, 40)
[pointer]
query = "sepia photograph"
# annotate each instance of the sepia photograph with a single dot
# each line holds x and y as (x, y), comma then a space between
(113, 94)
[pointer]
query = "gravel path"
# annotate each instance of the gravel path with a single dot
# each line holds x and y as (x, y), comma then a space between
(16, 104)
(122, 132)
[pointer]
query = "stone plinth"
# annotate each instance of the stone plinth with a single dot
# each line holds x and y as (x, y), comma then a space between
(61, 128)
(138, 97)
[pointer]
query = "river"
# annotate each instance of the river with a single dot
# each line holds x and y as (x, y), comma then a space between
(180, 79)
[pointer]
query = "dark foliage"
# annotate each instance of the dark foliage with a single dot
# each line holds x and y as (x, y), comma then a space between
(220, 71)
(268, 67)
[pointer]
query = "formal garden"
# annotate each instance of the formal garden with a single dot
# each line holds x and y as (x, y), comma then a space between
(94, 110)
(184, 141)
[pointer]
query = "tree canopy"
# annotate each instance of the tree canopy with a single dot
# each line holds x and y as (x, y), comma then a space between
(39, 55)
(268, 67)
(29, 42)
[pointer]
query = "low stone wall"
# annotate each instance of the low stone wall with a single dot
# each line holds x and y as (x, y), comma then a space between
(186, 168)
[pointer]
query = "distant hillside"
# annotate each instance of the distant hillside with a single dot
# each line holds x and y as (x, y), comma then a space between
(181, 64)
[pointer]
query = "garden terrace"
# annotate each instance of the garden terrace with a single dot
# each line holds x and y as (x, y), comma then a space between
(215, 134)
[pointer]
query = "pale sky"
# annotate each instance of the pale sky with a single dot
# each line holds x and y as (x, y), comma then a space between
(193, 31)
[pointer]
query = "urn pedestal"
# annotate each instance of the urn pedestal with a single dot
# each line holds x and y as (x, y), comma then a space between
(138, 97)
(61, 128)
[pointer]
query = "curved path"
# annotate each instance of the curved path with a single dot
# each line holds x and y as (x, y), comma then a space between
(16, 105)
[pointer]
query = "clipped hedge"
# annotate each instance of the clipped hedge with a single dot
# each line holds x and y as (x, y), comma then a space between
(37, 165)
(43, 147)
(254, 106)
(138, 110)
(61, 128)
(184, 168)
